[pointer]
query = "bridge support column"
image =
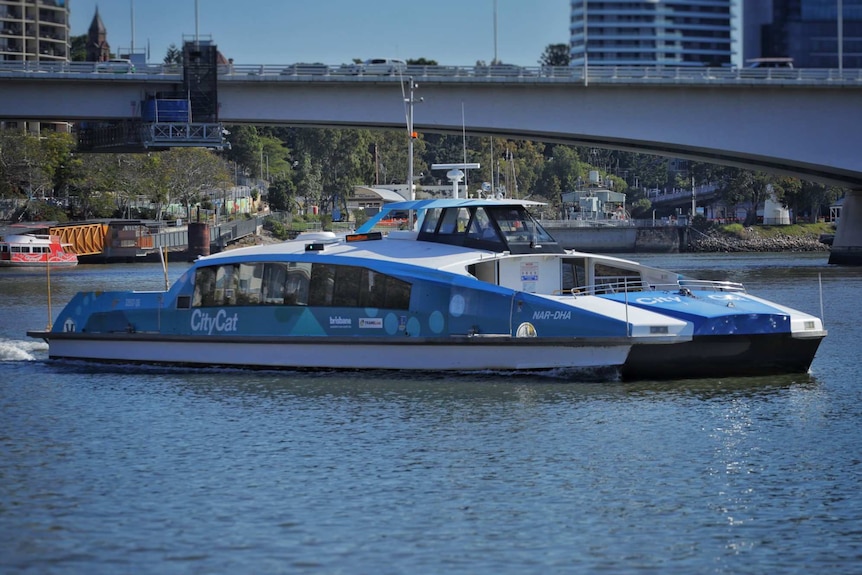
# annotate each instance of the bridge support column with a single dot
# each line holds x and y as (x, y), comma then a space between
(847, 245)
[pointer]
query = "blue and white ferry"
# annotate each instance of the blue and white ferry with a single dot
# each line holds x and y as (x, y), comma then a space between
(475, 284)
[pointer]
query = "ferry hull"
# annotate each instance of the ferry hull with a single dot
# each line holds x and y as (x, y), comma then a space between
(723, 356)
(36, 264)
(416, 354)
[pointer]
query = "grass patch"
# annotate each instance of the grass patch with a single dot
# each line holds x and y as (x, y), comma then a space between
(793, 230)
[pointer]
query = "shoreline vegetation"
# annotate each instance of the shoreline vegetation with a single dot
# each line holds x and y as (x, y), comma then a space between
(736, 238)
(714, 238)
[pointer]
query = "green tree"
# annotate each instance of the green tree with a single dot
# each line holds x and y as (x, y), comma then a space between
(281, 195)
(640, 208)
(173, 55)
(807, 198)
(555, 55)
(562, 171)
(23, 167)
(190, 171)
(421, 62)
(245, 146)
(746, 188)
(78, 48)
(309, 182)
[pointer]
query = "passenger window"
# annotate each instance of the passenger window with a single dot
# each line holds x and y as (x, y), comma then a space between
(321, 285)
(204, 295)
(574, 274)
(298, 285)
(346, 290)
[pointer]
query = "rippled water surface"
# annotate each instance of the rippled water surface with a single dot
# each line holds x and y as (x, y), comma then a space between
(150, 470)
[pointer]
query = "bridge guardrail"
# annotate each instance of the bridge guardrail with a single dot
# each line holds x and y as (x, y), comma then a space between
(561, 74)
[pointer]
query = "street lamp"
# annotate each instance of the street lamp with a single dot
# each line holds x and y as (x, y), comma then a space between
(411, 135)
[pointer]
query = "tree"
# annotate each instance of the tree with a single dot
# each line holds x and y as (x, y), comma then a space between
(245, 146)
(22, 165)
(806, 198)
(555, 55)
(173, 55)
(562, 171)
(281, 195)
(190, 171)
(309, 183)
(78, 48)
(744, 187)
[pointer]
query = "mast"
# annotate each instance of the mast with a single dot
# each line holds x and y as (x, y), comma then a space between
(411, 135)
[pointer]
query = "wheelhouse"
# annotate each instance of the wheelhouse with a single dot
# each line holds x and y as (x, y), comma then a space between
(503, 227)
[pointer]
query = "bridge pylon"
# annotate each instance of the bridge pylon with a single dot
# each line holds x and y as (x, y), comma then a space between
(847, 245)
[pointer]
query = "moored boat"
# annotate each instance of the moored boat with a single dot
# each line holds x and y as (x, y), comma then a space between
(476, 285)
(36, 250)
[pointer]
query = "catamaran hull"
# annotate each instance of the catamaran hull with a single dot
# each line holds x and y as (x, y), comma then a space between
(454, 354)
(36, 264)
(723, 356)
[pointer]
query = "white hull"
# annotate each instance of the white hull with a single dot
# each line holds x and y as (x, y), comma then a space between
(506, 354)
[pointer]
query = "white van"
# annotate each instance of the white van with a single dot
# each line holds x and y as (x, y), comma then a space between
(116, 66)
(383, 66)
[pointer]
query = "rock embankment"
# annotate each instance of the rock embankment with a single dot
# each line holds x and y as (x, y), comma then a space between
(716, 241)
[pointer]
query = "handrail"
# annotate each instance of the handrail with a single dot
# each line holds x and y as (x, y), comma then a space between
(628, 75)
(682, 287)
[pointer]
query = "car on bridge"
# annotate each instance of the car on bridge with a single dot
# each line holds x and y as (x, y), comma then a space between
(116, 66)
(377, 67)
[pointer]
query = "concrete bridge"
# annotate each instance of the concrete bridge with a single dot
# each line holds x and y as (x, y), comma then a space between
(806, 123)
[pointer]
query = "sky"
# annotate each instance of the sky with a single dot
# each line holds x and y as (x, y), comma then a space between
(452, 32)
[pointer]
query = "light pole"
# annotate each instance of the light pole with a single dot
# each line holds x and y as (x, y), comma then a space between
(411, 135)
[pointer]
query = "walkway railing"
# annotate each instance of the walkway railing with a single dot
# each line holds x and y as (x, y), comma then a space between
(501, 73)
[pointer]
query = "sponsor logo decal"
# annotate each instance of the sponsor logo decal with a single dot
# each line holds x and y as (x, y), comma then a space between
(219, 323)
(371, 322)
(340, 322)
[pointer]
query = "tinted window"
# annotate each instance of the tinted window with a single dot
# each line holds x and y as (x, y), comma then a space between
(298, 283)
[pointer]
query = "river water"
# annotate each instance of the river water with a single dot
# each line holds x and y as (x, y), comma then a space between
(151, 470)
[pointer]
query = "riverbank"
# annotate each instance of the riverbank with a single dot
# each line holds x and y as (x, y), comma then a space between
(736, 238)
(719, 239)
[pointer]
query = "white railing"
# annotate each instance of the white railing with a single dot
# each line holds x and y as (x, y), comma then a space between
(612, 285)
(502, 73)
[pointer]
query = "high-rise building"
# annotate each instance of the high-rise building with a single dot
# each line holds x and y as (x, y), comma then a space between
(652, 32)
(34, 30)
(813, 33)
